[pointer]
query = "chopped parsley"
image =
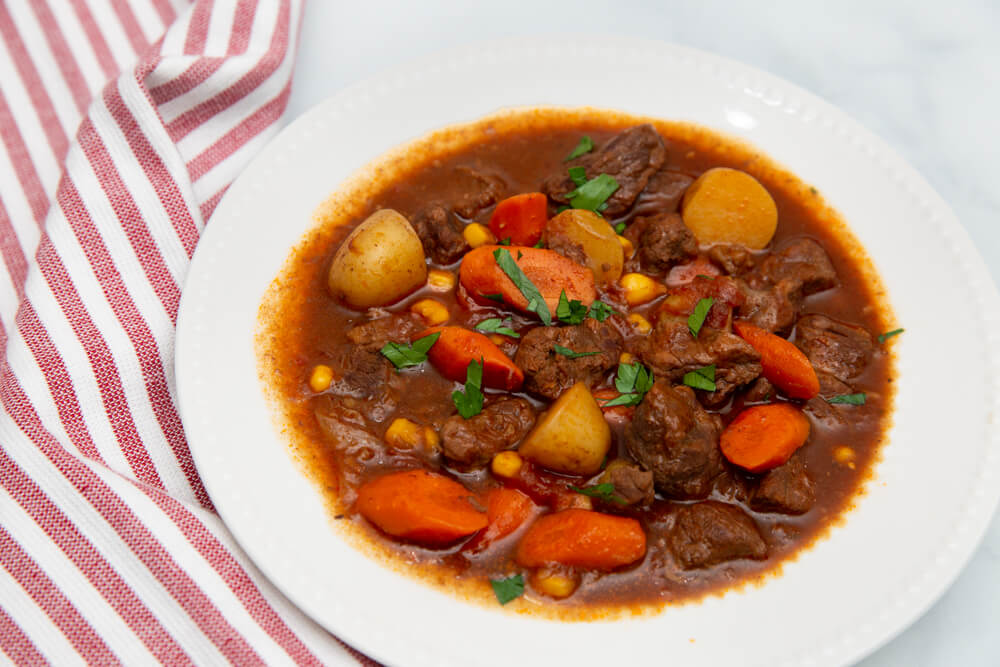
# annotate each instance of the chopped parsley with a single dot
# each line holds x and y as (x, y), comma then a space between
(536, 303)
(605, 492)
(702, 378)
(403, 356)
(585, 146)
(697, 318)
(578, 175)
(470, 402)
(566, 352)
(505, 241)
(620, 228)
(601, 311)
(889, 334)
(540, 244)
(508, 589)
(848, 399)
(496, 325)
(632, 382)
(494, 297)
(570, 312)
(593, 195)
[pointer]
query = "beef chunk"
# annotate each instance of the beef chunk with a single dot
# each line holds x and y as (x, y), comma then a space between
(733, 259)
(473, 442)
(786, 489)
(711, 532)
(441, 234)
(671, 351)
(662, 241)
(760, 391)
(801, 262)
(479, 191)
(672, 436)
(361, 373)
(835, 348)
(633, 485)
(631, 158)
(548, 373)
(663, 193)
(771, 308)
(375, 334)
(819, 408)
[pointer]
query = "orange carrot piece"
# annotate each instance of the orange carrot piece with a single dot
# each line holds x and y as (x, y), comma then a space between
(550, 272)
(420, 506)
(520, 218)
(457, 347)
(582, 538)
(784, 365)
(764, 436)
(616, 415)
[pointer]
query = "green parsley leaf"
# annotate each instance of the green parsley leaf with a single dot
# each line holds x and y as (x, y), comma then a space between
(620, 228)
(889, 334)
(566, 352)
(605, 492)
(403, 356)
(578, 175)
(495, 325)
(540, 244)
(505, 241)
(470, 402)
(848, 399)
(593, 194)
(536, 303)
(697, 318)
(570, 312)
(494, 297)
(585, 146)
(601, 311)
(703, 378)
(508, 589)
(633, 381)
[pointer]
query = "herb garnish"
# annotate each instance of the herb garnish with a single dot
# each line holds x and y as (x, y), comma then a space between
(508, 589)
(570, 312)
(403, 356)
(540, 244)
(889, 334)
(470, 401)
(566, 352)
(702, 378)
(620, 228)
(633, 381)
(578, 175)
(605, 492)
(601, 311)
(697, 318)
(505, 241)
(536, 303)
(593, 195)
(496, 325)
(585, 146)
(848, 399)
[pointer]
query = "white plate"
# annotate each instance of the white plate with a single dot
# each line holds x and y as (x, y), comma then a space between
(923, 516)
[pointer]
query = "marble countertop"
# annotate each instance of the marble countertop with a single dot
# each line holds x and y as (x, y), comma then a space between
(923, 75)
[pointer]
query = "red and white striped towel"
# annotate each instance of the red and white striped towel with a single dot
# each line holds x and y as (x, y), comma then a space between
(122, 122)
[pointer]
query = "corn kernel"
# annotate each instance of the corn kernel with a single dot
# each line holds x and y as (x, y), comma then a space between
(497, 339)
(626, 358)
(555, 585)
(432, 441)
(441, 280)
(640, 289)
(506, 463)
(404, 434)
(433, 312)
(476, 235)
(640, 323)
(627, 246)
(320, 378)
(843, 455)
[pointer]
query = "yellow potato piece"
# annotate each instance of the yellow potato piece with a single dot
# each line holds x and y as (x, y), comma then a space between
(572, 437)
(729, 206)
(379, 263)
(593, 236)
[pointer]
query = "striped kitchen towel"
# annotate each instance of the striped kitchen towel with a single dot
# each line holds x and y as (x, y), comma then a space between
(122, 124)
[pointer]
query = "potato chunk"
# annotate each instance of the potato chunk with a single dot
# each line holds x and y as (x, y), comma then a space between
(379, 263)
(588, 239)
(572, 437)
(729, 206)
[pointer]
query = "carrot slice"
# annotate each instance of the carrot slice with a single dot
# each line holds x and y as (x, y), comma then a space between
(549, 271)
(764, 436)
(785, 365)
(520, 218)
(506, 510)
(457, 347)
(420, 506)
(582, 538)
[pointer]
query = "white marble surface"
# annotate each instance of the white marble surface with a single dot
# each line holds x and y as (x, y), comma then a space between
(924, 75)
